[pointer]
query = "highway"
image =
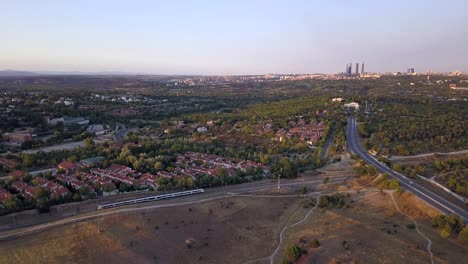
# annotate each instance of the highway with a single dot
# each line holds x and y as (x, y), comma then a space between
(354, 146)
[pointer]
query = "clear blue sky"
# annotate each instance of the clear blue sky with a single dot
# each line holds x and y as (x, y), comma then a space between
(233, 37)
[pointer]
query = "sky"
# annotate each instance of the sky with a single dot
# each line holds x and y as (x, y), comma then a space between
(233, 37)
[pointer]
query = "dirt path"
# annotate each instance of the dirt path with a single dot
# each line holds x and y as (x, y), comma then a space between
(429, 242)
(272, 256)
(394, 158)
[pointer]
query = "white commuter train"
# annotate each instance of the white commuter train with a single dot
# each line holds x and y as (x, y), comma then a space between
(150, 199)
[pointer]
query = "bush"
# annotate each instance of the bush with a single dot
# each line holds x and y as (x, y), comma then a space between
(294, 252)
(463, 235)
(444, 233)
(345, 244)
(314, 243)
(448, 224)
(330, 201)
(411, 226)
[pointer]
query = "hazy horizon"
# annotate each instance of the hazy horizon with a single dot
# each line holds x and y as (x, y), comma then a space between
(204, 38)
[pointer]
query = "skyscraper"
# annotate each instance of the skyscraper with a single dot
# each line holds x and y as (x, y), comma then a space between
(357, 68)
(362, 68)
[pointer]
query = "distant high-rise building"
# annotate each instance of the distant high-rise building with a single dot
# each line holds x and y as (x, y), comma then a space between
(357, 68)
(350, 69)
(362, 68)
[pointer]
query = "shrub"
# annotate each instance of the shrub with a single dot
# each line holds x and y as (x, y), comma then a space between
(330, 201)
(463, 235)
(314, 243)
(444, 233)
(345, 244)
(326, 180)
(294, 252)
(411, 226)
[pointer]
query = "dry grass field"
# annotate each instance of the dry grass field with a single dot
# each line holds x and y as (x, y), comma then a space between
(222, 231)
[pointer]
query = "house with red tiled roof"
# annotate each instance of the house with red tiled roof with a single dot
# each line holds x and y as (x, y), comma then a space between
(53, 187)
(148, 179)
(4, 195)
(17, 174)
(11, 164)
(114, 176)
(120, 169)
(26, 191)
(67, 166)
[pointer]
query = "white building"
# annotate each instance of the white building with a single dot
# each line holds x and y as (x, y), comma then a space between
(338, 99)
(352, 105)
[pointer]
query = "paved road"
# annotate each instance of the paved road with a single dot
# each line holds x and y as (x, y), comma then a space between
(354, 146)
(460, 152)
(121, 132)
(327, 143)
(65, 146)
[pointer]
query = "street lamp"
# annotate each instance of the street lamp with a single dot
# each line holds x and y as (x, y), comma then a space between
(279, 181)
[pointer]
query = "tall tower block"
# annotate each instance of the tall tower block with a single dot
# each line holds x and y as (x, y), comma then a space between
(362, 68)
(357, 68)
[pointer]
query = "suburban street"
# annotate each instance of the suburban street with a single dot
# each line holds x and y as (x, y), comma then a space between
(354, 146)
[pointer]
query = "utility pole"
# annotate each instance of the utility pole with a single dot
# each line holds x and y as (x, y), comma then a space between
(279, 181)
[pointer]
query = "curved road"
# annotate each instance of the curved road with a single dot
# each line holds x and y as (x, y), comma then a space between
(354, 146)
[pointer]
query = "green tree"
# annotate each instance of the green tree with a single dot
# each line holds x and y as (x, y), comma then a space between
(89, 143)
(11, 204)
(314, 243)
(83, 191)
(27, 178)
(42, 193)
(294, 252)
(28, 160)
(221, 172)
(326, 180)
(123, 187)
(284, 168)
(463, 235)
(42, 205)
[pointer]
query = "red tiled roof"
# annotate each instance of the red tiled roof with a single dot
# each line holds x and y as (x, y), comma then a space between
(17, 174)
(67, 165)
(4, 194)
(8, 163)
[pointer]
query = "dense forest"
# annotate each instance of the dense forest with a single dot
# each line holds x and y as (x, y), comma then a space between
(408, 127)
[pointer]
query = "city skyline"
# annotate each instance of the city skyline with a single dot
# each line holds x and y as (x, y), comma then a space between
(233, 38)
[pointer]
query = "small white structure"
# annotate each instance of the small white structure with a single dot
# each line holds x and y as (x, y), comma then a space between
(352, 105)
(338, 99)
(202, 129)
